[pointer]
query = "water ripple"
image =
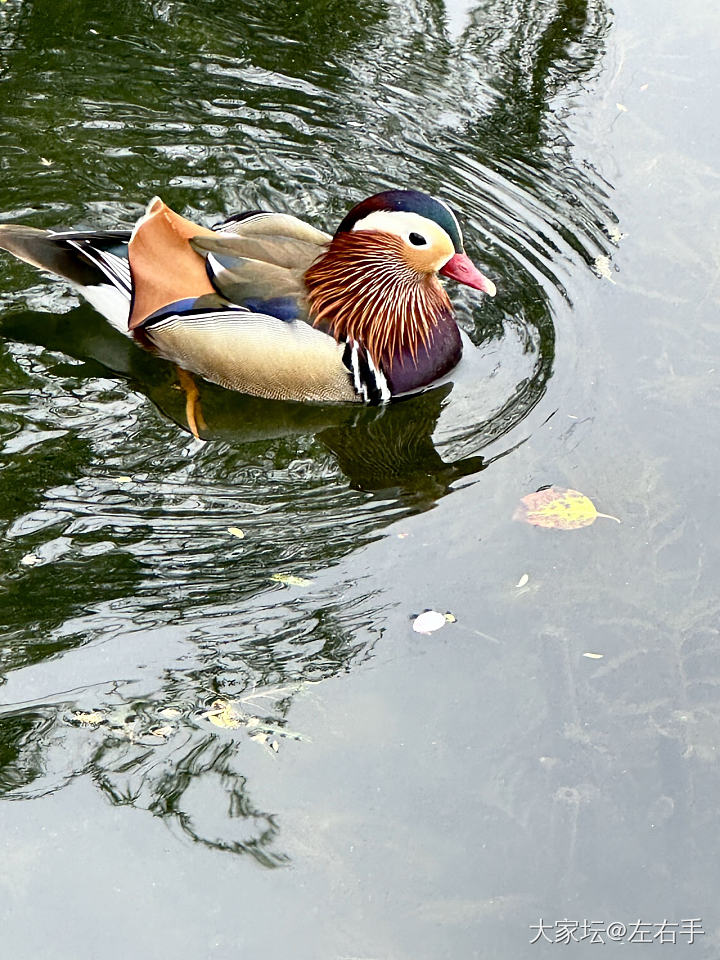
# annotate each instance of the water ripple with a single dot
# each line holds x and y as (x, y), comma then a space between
(126, 593)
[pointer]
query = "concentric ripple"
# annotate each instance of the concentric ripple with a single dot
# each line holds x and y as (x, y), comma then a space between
(131, 607)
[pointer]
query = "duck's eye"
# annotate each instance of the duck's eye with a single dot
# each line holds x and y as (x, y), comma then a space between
(417, 240)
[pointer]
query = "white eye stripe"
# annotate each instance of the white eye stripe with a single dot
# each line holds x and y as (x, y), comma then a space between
(402, 223)
(399, 222)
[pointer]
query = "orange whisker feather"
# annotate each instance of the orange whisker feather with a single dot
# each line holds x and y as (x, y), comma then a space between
(363, 289)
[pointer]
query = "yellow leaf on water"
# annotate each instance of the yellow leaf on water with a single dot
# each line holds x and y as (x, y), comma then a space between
(224, 714)
(236, 532)
(290, 580)
(559, 508)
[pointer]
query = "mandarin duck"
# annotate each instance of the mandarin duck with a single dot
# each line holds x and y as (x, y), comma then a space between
(268, 305)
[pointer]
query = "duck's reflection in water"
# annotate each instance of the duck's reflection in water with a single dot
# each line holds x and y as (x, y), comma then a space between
(153, 742)
(387, 448)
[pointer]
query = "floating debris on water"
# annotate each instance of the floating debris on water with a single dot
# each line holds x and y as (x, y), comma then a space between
(431, 620)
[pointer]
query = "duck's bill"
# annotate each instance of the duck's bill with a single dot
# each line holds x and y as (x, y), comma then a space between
(461, 268)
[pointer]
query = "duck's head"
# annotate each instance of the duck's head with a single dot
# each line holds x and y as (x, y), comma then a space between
(378, 282)
(428, 229)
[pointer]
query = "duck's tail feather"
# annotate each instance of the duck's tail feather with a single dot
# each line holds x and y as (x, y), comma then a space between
(94, 262)
(37, 248)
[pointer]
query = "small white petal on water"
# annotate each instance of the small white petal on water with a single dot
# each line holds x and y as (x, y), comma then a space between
(92, 718)
(594, 656)
(523, 580)
(429, 621)
(30, 559)
(236, 532)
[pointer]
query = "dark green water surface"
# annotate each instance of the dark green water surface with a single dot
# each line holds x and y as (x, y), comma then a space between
(378, 794)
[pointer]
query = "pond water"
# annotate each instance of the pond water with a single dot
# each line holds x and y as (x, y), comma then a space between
(224, 746)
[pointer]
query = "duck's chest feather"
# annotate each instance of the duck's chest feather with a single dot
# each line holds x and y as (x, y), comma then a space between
(432, 361)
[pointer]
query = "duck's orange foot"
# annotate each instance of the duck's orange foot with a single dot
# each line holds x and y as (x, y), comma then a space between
(193, 410)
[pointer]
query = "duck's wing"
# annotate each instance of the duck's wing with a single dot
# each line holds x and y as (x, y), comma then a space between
(258, 257)
(163, 266)
(261, 223)
(95, 262)
(250, 260)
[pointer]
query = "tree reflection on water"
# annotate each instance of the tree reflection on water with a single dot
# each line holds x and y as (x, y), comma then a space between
(314, 106)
